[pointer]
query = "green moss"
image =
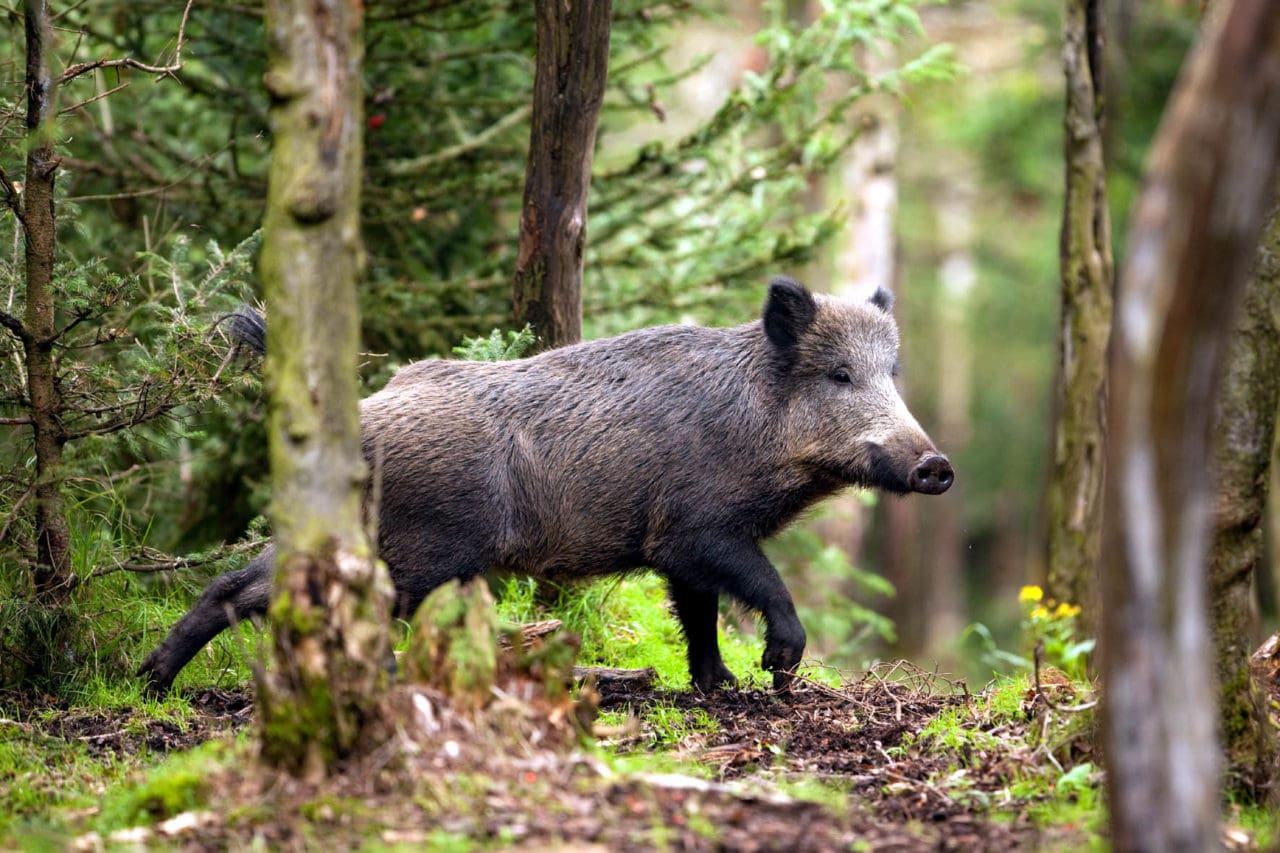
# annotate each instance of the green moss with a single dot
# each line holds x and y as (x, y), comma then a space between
(179, 784)
(454, 639)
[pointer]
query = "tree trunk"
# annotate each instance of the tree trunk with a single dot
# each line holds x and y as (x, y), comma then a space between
(945, 602)
(53, 577)
(1246, 420)
(331, 599)
(1075, 487)
(1194, 232)
(568, 89)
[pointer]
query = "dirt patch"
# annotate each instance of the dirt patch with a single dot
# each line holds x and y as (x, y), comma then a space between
(129, 731)
(851, 737)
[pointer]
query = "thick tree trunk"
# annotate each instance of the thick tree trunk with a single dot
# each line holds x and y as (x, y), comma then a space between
(568, 90)
(331, 599)
(1245, 435)
(1075, 487)
(53, 577)
(1194, 233)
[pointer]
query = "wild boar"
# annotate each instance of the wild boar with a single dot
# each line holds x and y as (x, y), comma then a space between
(677, 448)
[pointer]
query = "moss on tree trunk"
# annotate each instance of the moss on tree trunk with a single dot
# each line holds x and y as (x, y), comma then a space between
(1245, 435)
(331, 599)
(1075, 486)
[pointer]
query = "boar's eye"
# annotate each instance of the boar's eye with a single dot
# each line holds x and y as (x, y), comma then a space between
(842, 376)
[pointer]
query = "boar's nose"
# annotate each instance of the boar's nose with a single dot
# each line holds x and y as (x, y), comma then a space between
(932, 475)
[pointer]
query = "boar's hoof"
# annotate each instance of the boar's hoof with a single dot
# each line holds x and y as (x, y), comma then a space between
(781, 658)
(932, 475)
(716, 678)
(155, 684)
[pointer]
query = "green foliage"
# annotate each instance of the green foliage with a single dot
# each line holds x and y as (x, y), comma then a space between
(497, 347)
(1010, 731)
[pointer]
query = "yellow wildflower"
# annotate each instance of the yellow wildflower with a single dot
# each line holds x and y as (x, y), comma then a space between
(1041, 612)
(1066, 611)
(1030, 593)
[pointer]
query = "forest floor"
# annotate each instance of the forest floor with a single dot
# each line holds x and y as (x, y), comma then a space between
(901, 759)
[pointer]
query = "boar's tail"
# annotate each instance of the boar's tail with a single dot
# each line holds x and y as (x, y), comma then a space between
(247, 327)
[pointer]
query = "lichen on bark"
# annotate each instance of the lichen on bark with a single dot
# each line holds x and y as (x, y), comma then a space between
(331, 598)
(1245, 435)
(1087, 275)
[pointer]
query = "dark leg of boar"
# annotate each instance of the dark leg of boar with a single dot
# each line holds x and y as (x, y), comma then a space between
(236, 595)
(740, 569)
(698, 611)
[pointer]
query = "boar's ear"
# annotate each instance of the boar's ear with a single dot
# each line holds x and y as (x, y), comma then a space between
(882, 299)
(788, 311)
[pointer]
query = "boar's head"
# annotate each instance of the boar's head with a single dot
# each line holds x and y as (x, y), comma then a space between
(836, 361)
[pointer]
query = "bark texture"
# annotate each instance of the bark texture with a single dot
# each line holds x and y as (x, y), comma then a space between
(1087, 274)
(1242, 460)
(568, 90)
(53, 576)
(1195, 231)
(330, 599)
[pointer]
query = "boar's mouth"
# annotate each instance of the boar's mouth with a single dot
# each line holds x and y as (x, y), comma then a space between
(881, 470)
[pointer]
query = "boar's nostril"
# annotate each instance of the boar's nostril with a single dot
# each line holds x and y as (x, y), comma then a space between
(932, 475)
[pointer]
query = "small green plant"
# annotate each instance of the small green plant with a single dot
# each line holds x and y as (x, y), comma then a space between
(1047, 625)
(1051, 627)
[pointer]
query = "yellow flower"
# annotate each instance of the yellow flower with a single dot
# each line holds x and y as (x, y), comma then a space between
(1030, 593)
(1040, 613)
(1065, 611)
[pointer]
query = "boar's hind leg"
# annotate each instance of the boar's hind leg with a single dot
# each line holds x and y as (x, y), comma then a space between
(237, 595)
(741, 569)
(698, 611)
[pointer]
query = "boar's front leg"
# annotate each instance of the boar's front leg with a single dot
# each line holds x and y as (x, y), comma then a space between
(741, 569)
(698, 611)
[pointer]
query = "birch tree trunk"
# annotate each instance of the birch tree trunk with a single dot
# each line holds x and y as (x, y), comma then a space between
(1075, 486)
(568, 90)
(1245, 435)
(331, 599)
(1195, 230)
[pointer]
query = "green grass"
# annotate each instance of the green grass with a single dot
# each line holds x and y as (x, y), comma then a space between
(177, 784)
(626, 622)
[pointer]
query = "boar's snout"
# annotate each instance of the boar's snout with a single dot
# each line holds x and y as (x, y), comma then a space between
(932, 475)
